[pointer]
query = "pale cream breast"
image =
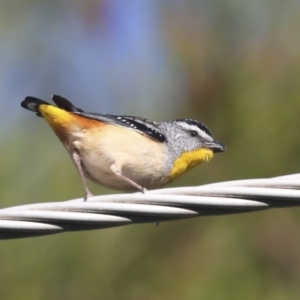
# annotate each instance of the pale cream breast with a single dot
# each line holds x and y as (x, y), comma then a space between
(138, 157)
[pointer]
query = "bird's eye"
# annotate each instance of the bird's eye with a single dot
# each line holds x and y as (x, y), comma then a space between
(193, 133)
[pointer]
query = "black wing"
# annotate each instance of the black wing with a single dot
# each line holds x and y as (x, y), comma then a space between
(141, 125)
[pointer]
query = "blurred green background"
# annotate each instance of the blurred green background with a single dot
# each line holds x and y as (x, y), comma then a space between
(234, 65)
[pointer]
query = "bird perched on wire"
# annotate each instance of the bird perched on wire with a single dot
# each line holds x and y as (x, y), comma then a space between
(123, 152)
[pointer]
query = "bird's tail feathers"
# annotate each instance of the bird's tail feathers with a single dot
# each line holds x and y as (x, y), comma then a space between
(32, 104)
(65, 104)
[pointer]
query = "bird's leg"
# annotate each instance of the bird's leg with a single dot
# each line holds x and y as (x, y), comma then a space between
(77, 161)
(118, 173)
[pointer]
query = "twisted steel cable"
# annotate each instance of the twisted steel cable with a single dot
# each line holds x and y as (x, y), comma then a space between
(99, 212)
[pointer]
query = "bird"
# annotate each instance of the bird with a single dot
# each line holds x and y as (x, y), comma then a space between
(123, 152)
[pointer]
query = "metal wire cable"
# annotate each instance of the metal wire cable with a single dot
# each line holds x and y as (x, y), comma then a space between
(106, 211)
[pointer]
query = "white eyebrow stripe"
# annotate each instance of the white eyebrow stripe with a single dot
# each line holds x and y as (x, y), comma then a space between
(201, 133)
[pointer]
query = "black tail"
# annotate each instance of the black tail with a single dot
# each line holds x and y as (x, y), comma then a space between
(65, 104)
(32, 104)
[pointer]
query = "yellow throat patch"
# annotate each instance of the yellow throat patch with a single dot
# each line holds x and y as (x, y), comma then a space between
(188, 160)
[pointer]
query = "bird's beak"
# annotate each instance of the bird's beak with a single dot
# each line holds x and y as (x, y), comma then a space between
(216, 146)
